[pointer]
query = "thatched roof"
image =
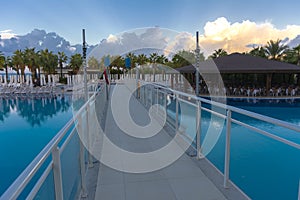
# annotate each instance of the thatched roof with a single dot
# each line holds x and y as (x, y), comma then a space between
(241, 63)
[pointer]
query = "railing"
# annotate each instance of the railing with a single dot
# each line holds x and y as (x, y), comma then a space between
(51, 156)
(155, 90)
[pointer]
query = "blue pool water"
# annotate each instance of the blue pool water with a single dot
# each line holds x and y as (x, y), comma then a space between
(26, 126)
(262, 167)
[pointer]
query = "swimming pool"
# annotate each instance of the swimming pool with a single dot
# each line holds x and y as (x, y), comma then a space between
(262, 167)
(26, 126)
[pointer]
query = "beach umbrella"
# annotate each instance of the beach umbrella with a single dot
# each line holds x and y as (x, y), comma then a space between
(49, 79)
(68, 80)
(2, 75)
(14, 76)
(20, 76)
(41, 79)
(44, 79)
(27, 71)
(53, 80)
(27, 79)
(30, 80)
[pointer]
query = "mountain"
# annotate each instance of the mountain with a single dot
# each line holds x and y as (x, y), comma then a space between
(294, 42)
(40, 39)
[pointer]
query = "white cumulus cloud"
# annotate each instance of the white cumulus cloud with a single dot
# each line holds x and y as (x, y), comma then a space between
(7, 34)
(220, 33)
(236, 37)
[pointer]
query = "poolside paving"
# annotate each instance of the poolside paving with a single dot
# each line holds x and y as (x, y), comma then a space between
(183, 179)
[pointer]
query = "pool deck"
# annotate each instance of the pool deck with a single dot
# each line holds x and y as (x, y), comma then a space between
(186, 178)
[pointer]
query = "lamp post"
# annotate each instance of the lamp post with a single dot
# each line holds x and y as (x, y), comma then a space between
(84, 65)
(197, 63)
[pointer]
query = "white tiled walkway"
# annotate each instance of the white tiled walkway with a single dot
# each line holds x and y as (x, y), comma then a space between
(181, 180)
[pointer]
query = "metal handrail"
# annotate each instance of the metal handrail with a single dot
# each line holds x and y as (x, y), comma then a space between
(234, 109)
(229, 120)
(17, 187)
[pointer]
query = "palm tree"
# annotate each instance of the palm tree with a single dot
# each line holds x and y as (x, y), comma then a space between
(31, 59)
(93, 63)
(62, 58)
(219, 53)
(8, 62)
(2, 60)
(275, 50)
(183, 58)
(162, 59)
(133, 59)
(18, 61)
(48, 60)
(258, 51)
(293, 55)
(153, 58)
(142, 59)
(76, 62)
(118, 61)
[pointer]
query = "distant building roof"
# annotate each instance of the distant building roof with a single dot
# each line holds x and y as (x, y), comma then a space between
(242, 63)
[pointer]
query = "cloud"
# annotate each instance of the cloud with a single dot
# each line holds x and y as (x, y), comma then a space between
(7, 34)
(240, 36)
(181, 41)
(132, 41)
(112, 38)
(220, 33)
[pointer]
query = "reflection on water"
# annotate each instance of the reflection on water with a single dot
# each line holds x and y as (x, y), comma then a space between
(34, 110)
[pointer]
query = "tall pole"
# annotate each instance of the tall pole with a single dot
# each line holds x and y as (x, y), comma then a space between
(197, 63)
(84, 66)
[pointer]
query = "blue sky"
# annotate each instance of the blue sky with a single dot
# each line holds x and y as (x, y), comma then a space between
(103, 17)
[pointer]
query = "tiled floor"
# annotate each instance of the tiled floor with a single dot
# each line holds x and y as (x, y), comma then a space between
(183, 179)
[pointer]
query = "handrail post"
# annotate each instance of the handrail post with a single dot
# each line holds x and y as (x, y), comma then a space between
(90, 159)
(198, 129)
(157, 100)
(165, 101)
(57, 174)
(82, 162)
(299, 190)
(227, 149)
(148, 91)
(144, 95)
(151, 98)
(177, 110)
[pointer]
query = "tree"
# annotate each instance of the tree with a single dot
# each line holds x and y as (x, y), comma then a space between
(48, 60)
(133, 59)
(18, 60)
(275, 50)
(142, 59)
(117, 61)
(184, 58)
(3, 63)
(293, 55)
(2, 60)
(258, 51)
(153, 58)
(162, 59)
(76, 62)
(62, 58)
(31, 59)
(93, 63)
(8, 62)
(219, 53)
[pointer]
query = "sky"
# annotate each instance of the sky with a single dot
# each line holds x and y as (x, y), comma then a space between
(216, 20)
